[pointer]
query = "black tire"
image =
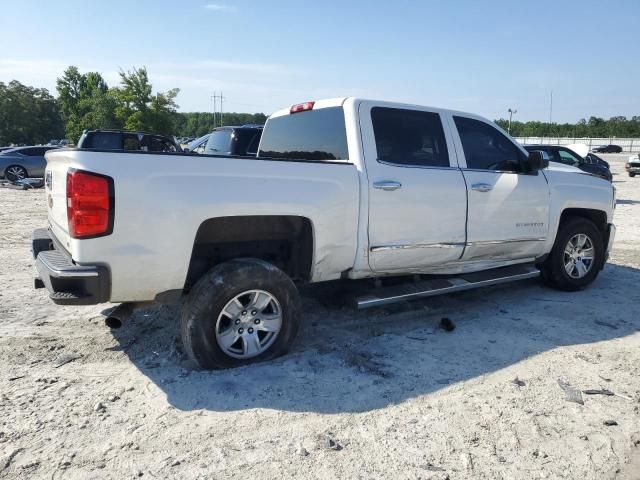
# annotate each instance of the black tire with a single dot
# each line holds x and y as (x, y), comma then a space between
(215, 290)
(632, 175)
(553, 269)
(15, 172)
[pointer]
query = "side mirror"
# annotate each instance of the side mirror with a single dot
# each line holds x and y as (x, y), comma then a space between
(537, 160)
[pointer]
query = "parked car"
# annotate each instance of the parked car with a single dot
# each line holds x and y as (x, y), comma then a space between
(341, 189)
(23, 162)
(569, 157)
(2, 149)
(198, 145)
(242, 140)
(104, 139)
(593, 158)
(633, 165)
(608, 149)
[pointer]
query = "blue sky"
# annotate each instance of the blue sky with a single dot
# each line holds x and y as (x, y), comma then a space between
(478, 56)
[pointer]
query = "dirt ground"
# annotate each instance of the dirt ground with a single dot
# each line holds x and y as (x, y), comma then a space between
(383, 393)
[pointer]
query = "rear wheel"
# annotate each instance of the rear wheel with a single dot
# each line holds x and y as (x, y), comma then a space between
(15, 172)
(632, 174)
(577, 256)
(240, 312)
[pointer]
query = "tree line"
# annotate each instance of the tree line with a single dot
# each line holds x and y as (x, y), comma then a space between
(621, 127)
(30, 115)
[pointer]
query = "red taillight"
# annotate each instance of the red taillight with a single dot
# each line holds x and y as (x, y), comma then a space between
(89, 204)
(302, 107)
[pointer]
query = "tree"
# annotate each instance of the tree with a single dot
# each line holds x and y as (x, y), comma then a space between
(28, 115)
(86, 102)
(138, 109)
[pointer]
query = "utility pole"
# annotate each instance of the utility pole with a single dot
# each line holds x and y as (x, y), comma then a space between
(213, 97)
(550, 112)
(512, 112)
(221, 117)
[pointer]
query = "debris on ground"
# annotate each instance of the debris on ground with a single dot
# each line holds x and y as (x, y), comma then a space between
(603, 391)
(610, 423)
(65, 358)
(570, 393)
(447, 324)
(518, 382)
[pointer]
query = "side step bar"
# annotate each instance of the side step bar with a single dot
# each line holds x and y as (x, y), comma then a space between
(440, 285)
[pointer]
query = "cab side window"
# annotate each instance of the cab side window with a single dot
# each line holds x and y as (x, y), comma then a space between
(409, 137)
(485, 148)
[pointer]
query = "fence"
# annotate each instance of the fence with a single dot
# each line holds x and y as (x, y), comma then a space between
(630, 145)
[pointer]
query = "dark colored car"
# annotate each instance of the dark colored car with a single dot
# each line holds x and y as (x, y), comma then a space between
(23, 162)
(593, 158)
(569, 157)
(242, 140)
(608, 149)
(127, 140)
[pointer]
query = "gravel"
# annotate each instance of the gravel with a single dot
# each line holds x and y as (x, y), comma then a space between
(402, 397)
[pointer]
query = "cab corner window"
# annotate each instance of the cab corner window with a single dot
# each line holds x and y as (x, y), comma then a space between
(485, 148)
(409, 137)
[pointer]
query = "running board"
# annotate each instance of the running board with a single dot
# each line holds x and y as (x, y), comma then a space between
(441, 285)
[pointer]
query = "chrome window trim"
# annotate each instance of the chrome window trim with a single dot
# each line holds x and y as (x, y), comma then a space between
(427, 167)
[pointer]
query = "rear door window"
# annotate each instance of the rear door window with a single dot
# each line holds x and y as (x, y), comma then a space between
(311, 135)
(409, 137)
(219, 143)
(103, 141)
(486, 148)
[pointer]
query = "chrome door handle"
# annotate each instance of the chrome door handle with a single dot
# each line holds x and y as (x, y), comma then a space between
(387, 186)
(482, 187)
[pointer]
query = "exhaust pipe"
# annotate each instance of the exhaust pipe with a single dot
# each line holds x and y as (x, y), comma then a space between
(119, 315)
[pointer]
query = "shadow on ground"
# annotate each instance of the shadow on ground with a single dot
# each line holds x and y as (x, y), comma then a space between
(350, 361)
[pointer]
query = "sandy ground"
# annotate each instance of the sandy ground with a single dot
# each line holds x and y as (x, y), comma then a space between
(374, 394)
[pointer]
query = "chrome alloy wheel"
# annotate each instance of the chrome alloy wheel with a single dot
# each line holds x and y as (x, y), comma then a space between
(249, 324)
(579, 256)
(15, 172)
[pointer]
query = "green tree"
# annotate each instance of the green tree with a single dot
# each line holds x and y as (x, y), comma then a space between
(86, 102)
(28, 115)
(139, 109)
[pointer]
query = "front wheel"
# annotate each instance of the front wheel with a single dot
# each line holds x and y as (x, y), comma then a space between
(577, 256)
(240, 312)
(632, 175)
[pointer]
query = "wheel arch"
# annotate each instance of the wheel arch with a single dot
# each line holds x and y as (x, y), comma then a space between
(286, 241)
(597, 217)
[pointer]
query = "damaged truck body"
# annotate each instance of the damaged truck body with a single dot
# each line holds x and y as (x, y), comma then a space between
(339, 189)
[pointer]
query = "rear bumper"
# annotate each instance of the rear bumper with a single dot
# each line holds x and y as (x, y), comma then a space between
(67, 283)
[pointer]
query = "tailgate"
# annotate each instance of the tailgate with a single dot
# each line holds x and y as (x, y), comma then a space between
(56, 191)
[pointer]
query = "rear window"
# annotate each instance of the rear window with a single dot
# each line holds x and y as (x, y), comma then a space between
(312, 135)
(103, 141)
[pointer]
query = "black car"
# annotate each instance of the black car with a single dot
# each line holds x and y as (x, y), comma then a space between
(242, 140)
(608, 149)
(593, 158)
(569, 157)
(127, 140)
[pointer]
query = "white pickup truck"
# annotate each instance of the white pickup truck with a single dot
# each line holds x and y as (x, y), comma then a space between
(340, 189)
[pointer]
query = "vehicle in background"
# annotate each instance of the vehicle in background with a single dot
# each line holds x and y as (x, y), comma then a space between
(198, 145)
(607, 149)
(340, 189)
(633, 165)
(23, 162)
(567, 156)
(231, 140)
(593, 158)
(126, 140)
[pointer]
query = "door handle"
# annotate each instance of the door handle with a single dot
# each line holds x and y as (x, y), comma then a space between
(482, 187)
(387, 186)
